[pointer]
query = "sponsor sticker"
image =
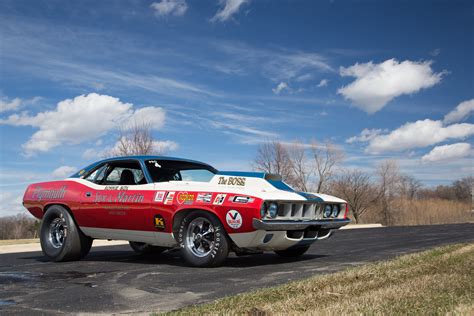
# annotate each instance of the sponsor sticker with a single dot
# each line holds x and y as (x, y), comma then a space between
(185, 198)
(169, 198)
(220, 198)
(159, 222)
(160, 196)
(232, 181)
(204, 198)
(242, 199)
(233, 219)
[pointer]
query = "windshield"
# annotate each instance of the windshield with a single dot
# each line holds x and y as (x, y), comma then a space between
(172, 170)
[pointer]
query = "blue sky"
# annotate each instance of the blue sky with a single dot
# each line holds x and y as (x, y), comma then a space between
(381, 79)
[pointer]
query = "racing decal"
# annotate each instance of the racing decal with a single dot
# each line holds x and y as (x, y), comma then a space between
(116, 187)
(169, 198)
(241, 199)
(40, 193)
(185, 198)
(233, 219)
(204, 198)
(121, 197)
(159, 222)
(160, 196)
(220, 198)
(232, 181)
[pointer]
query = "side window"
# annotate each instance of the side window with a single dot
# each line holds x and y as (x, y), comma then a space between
(125, 175)
(97, 175)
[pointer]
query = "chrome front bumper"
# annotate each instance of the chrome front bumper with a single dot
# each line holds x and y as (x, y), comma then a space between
(277, 225)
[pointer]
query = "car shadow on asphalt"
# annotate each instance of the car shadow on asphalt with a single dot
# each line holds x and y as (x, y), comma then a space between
(173, 258)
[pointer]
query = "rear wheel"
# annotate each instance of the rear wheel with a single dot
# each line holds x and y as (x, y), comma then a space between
(143, 248)
(203, 240)
(292, 252)
(61, 239)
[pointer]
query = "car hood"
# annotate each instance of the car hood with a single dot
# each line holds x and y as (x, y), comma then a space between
(262, 185)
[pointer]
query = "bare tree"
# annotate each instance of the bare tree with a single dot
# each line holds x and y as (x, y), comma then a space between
(408, 186)
(389, 176)
(302, 171)
(272, 157)
(326, 158)
(356, 188)
(136, 139)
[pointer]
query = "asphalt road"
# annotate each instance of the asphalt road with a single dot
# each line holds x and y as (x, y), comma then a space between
(115, 280)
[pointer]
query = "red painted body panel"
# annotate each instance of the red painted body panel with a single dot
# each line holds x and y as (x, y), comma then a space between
(121, 207)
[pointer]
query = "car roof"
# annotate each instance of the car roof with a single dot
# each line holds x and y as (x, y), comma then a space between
(139, 158)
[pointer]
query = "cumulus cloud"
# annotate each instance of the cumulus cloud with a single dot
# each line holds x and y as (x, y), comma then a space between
(84, 118)
(170, 7)
(448, 152)
(165, 146)
(461, 112)
(364, 136)
(228, 9)
(323, 83)
(378, 84)
(63, 172)
(418, 134)
(7, 105)
(281, 86)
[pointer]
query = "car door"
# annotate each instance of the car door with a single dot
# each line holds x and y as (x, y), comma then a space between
(119, 201)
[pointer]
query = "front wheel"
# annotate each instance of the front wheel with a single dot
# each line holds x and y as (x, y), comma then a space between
(143, 248)
(61, 239)
(292, 252)
(203, 240)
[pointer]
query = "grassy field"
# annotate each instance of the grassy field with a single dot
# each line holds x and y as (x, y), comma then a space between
(439, 281)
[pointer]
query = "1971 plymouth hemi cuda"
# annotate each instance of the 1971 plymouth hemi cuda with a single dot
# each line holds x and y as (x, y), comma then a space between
(160, 203)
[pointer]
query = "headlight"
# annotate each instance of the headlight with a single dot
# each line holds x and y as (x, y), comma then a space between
(263, 210)
(273, 210)
(327, 210)
(335, 210)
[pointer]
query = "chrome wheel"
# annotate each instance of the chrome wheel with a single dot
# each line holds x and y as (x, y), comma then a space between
(200, 237)
(57, 232)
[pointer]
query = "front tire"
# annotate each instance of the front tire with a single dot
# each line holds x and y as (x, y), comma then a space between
(203, 240)
(292, 252)
(143, 248)
(61, 239)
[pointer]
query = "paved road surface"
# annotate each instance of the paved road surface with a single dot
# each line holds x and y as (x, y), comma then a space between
(115, 280)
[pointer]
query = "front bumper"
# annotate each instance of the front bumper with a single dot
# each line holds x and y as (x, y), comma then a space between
(278, 225)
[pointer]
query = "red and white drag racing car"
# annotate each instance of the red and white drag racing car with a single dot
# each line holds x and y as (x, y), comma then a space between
(160, 203)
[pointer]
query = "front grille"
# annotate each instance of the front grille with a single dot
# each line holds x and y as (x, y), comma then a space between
(304, 211)
(299, 211)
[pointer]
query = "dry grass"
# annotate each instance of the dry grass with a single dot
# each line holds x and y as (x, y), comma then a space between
(439, 281)
(432, 211)
(18, 241)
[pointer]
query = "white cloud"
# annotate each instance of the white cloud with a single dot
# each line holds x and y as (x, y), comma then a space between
(170, 7)
(281, 86)
(461, 112)
(63, 172)
(84, 118)
(14, 104)
(163, 147)
(9, 105)
(418, 134)
(323, 83)
(448, 152)
(228, 9)
(378, 84)
(365, 136)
